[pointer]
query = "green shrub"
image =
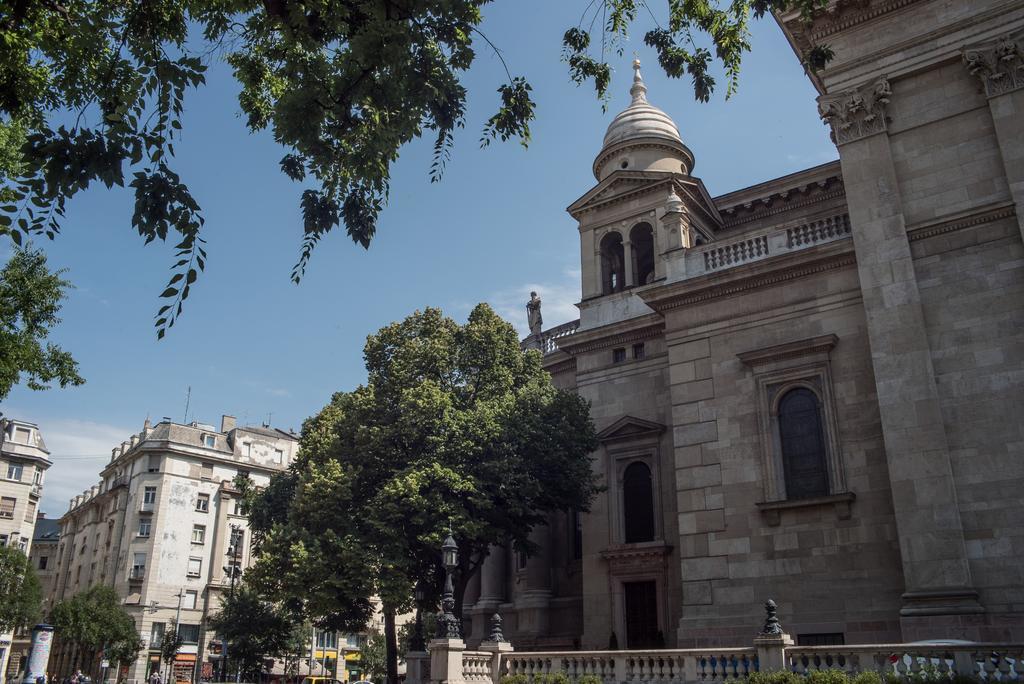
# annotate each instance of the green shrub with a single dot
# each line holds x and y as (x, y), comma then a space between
(829, 676)
(867, 677)
(589, 679)
(551, 678)
(515, 679)
(775, 677)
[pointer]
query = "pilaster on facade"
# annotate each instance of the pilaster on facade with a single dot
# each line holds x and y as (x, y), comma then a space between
(998, 64)
(857, 113)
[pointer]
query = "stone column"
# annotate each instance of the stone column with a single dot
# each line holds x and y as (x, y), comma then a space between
(416, 667)
(533, 602)
(492, 591)
(935, 566)
(627, 258)
(999, 66)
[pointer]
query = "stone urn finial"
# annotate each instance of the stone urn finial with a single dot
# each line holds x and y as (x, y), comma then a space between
(771, 623)
(496, 635)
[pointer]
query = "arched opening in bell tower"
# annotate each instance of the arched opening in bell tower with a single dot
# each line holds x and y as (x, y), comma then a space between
(612, 264)
(641, 239)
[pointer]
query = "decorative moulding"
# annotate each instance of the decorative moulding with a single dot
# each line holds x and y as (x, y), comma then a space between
(579, 345)
(631, 428)
(857, 113)
(813, 345)
(632, 558)
(772, 510)
(998, 64)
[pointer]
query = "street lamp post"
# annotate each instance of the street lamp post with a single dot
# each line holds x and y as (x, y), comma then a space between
(417, 643)
(448, 627)
(232, 570)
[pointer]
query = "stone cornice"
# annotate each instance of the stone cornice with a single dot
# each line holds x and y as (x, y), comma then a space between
(813, 345)
(752, 276)
(646, 184)
(627, 558)
(648, 143)
(614, 335)
(562, 366)
(782, 201)
(857, 113)
(998, 64)
(845, 14)
(922, 232)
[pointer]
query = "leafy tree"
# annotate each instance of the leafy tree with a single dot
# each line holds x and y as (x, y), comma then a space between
(456, 426)
(169, 647)
(254, 629)
(94, 619)
(342, 86)
(30, 299)
(372, 658)
(21, 597)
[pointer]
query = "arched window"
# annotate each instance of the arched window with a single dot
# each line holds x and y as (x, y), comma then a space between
(642, 241)
(637, 503)
(612, 264)
(803, 444)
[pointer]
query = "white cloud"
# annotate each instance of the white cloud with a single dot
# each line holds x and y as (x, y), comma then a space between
(559, 297)
(79, 449)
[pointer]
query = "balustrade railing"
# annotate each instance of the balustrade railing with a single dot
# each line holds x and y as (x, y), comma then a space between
(476, 667)
(988, 662)
(670, 666)
(546, 341)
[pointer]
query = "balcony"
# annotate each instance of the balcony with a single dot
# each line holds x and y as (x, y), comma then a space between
(147, 507)
(137, 574)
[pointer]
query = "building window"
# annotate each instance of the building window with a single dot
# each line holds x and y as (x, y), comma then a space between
(7, 504)
(247, 449)
(638, 503)
(203, 503)
(641, 239)
(156, 634)
(3, 540)
(209, 441)
(199, 534)
(145, 526)
(23, 435)
(195, 567)
(279, 456)
(189, 633)
(43, 560)
(326, 640)
(638, 351)
(236, 543)
(30, 512)
(207, 471)
(612, 264)
(138, 566)
(618, 355)
(154, 463)
(14, 471)
(236, 507)
(38, 477)
(149, 495)
(803, 444)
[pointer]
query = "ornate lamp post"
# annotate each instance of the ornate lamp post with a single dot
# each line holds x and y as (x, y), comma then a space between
(448, 625)
(416, 643)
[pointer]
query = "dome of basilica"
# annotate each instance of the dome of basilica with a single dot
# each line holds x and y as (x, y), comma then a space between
(640, 119)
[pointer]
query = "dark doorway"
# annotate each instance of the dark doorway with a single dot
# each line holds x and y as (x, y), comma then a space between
(641, 614)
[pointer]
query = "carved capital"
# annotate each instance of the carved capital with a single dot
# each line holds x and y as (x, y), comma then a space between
(998, 64)
(857, 113)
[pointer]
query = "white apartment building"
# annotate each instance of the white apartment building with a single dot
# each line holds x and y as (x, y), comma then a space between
(23, 463)
(164, 527)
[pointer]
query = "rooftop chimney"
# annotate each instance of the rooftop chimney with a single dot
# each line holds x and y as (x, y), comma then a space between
(227, 423)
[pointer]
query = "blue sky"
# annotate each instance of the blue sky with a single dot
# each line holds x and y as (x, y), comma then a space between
(252, 344)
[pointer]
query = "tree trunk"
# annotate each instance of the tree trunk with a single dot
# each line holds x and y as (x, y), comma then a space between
(391, 645)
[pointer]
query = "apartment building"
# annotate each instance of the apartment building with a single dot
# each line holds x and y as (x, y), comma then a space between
(23, 463)
(42, 558)
(164, 527)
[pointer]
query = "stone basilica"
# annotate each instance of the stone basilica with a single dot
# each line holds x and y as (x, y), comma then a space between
(811, 389)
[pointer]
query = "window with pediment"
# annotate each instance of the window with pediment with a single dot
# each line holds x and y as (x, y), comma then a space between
(802, 457)
(632, 446)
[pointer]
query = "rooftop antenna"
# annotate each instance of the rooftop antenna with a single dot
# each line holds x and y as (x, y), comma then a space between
(270, 418)
(188, 398)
